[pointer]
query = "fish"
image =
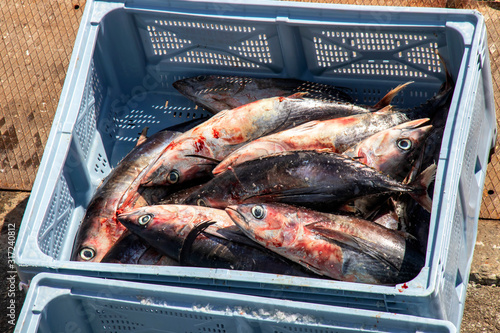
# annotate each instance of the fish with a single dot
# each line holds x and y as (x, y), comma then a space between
(99, 229)
(195, 153)
(215, 93)
(204, 237)
(192, 154)
(337, 135)
(392, 151)
(340, 247)
(176, 197)
(316, 179)
(128, 249)
(131, 249)
(395, 152)
(436, 108)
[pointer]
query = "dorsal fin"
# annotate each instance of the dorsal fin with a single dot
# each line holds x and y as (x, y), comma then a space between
(387, 99)
(143, 137)
(449, 84)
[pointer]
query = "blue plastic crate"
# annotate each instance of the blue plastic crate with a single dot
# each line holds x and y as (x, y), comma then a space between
(67, 303)
(119, 80)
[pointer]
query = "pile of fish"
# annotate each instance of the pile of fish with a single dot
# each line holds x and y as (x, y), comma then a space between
(287, 177)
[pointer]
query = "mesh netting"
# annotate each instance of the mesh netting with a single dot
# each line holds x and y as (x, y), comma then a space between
(37, 40)
(36, 45)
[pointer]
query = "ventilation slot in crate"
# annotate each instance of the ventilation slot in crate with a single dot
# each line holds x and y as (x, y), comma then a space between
(351, 52)
(184, 41)
(55, 223)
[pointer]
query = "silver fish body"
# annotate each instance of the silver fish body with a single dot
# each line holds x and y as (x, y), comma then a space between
(317, 179)
(340, 247)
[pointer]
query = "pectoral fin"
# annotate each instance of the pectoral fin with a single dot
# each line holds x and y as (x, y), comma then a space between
(353, 242)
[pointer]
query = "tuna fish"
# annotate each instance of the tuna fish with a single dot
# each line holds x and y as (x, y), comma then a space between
(337, 135)
(99, 229)
(216, 93)
(317, 179)
(340, 247)
(204, 237)
(191, 155)
(392, 151)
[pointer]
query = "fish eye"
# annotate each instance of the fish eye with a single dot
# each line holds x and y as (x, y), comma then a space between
(144, 219)
(404, 144)
(201, 202)
(173, 176)
(258, 212)
(87, 253)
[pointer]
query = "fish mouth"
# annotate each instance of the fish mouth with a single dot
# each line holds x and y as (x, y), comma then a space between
(236, 216)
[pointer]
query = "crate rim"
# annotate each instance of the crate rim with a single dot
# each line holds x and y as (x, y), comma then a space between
(60, 285)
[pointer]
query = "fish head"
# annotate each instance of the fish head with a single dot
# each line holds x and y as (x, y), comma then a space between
(176, 166)
(210, 91)
(154, 218)
(162, 226)
(268, 224)
(93, 242)
(393, 150)
(251, 151)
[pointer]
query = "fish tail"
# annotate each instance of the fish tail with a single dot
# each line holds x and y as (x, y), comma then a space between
(449, 83)
(421, 185)
(387, 99)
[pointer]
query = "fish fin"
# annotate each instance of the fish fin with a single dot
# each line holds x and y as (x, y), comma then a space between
(205, 157)
(354, 242)
(232, 234)
(449, 83)
(387, 99)
(406, 235)
(306, 126)
(190, 238)
(421, 184)
(143, 137)
(298, 95)
(414, 168)
(312, 268)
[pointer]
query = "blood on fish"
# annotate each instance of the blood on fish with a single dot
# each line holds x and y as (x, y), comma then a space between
(215, 133)
(199, 144)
